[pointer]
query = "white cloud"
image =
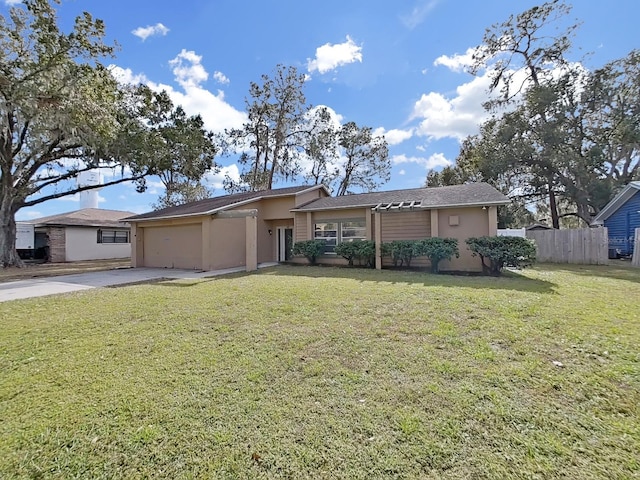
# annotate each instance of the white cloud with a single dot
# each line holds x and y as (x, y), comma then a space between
(126, 75)
(434, 161)
(188, 70)
(220, 77)
(216, 113)
(418, 14)
(189, 73)
(335, 119)
(394, 136)
(27, 214)
(330, 56)
(11, 3)
(138, 209)
(462, 115)
(216, 180)
(402, 172)
(457, 117)
(154, 187)
(457, 62)
(150, 31)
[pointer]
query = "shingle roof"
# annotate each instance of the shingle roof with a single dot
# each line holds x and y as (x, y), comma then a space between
(209, 205)
(86, 217)
(610, 208)
(433, 197)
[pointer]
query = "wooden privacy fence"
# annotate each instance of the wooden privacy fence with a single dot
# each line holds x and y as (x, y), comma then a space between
(636, 250)
(587, 246)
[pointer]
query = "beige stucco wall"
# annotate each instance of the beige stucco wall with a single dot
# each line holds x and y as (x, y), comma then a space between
(472, 222)
(228, 243)
(272, 212)
(213, 243)
(273, 208)
(304, 198)
(82, 244)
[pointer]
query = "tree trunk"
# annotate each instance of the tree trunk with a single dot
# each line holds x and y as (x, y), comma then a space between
(553, 208)
(8, 254)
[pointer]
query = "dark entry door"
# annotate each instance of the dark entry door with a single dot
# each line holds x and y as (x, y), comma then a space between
(288, 243)
(285, 244)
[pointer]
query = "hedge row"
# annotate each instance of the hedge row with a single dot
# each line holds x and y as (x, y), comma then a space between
(495, 252)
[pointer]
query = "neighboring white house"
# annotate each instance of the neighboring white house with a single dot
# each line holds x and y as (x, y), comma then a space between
(86, 234)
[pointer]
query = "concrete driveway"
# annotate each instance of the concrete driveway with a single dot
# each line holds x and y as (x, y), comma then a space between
(39, 287)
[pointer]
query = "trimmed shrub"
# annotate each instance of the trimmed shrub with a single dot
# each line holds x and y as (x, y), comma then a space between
(437, 249)
(364, 251)
(401, 251)
(311, 249)
(502, 252)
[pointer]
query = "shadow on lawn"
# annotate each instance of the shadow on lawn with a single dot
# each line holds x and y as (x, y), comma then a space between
(615, 271)
(509, 281)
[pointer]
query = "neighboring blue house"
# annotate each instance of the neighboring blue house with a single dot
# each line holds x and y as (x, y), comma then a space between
(621, 216)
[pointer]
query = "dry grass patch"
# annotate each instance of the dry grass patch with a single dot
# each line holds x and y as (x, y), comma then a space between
(302, 372)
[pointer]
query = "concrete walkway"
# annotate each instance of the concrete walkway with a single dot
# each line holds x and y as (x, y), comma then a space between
(39, 287)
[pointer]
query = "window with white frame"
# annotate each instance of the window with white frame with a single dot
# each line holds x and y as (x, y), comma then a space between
(335, 232)
(113, 236)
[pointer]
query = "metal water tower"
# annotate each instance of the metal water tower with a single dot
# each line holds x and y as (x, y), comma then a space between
(89, 198)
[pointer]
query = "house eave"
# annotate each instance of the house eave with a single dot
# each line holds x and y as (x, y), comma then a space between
(215, 210)
(122, 225)
(431, 207)
(312, 188)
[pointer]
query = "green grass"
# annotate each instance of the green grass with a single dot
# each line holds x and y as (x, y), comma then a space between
(302, 372)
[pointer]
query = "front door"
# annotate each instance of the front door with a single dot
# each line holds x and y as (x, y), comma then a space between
(285, 243)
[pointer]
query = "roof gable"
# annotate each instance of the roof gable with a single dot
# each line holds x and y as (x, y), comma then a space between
(223, 202)
(618, 201)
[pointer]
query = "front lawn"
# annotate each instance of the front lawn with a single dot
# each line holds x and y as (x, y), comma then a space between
(312, 372)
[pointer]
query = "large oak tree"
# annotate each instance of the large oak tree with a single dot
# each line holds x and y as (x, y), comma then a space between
(561, 137)
(63, 113)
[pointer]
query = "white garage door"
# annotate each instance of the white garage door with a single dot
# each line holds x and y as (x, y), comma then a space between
(173, 247)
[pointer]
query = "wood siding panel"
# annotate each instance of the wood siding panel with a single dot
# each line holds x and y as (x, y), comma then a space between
(622, 225)
(300, 230)
(406, 226)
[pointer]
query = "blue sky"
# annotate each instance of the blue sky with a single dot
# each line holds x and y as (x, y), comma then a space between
(396, 66)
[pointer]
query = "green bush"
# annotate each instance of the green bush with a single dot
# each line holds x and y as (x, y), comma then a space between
(502, 252)
(401, 251)
(364, 251)
(437, 249)
(311, 249)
